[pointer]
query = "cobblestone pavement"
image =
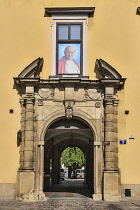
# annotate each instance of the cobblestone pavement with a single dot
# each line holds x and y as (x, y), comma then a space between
(69, 204)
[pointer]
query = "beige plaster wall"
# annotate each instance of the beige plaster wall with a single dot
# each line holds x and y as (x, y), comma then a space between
(113, 35)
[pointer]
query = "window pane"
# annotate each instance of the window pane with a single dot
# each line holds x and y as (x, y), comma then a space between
(63, 32)
(75, 31)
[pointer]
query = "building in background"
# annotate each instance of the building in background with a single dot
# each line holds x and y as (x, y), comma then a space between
(76, 80)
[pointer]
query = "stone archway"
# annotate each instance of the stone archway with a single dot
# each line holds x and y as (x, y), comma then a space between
(43, 102)
(64, 133)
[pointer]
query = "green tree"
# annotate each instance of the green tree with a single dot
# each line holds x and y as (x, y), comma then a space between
(73, 157)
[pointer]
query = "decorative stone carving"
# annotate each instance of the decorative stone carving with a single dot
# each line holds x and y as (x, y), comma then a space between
(46, 93)
(32, 70)
(92, 94)
(22, 102)
(31, 174)
(106, 70)
(69, 109)
(97, 104)
(69, 112)
(40, 103)
(30, 95)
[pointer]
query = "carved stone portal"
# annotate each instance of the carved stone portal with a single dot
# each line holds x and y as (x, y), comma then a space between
(98, 101)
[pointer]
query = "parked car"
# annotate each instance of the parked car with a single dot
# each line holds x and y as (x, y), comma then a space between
(80, 173)
(62, 174)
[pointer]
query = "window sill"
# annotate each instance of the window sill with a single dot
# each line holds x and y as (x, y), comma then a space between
(69, 77)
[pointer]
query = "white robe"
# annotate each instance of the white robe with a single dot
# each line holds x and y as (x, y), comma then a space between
(71, 67)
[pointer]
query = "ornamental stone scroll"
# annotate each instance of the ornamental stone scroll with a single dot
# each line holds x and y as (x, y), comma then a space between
(92, 94)
(46, 93)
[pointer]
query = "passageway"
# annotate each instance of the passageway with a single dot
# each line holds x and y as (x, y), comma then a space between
(70, 188)
(60, 135)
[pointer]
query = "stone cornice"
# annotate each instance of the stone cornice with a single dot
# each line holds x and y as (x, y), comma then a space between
(70, 82)
(113, 82)
(26, 80)
(49, 11)
(29, 77)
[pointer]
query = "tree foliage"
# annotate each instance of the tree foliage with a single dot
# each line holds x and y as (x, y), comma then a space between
(73, 157)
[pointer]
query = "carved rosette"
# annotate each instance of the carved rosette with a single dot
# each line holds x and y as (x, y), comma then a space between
(97, 104)
(46, 93)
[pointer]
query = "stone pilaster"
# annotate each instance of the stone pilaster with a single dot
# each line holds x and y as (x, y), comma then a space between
(41, 195)
(116, 133)
(109, 135)
(22, 122)
(111, 184)
(26, 174)
(97, 171)
(29, 135)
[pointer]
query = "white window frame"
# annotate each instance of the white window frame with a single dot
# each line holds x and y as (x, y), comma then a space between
(69, 19)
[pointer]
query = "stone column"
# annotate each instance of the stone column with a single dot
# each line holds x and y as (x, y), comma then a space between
(28, 163)
(26, 174)
(22, 122)
(111, 184)
(97, 171)
(116, 134)
(41, 195)
(109, 135)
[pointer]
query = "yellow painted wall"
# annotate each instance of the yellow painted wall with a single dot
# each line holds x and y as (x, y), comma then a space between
(113, 35)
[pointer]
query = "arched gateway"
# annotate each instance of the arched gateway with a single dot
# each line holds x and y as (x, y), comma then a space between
(53, 111)
(64, 133)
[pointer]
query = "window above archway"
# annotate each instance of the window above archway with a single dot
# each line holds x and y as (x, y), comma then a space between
(69, 40)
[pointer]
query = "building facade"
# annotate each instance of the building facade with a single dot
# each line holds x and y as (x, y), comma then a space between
(70, 77)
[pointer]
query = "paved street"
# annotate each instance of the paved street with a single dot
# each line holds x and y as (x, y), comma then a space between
(69, 195)
(69, 204)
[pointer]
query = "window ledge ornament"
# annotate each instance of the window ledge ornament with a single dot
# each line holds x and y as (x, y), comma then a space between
(32, 70)
(69, 11)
